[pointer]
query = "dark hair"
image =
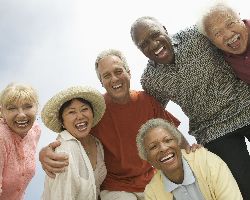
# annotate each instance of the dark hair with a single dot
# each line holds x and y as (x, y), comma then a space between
(68, 103)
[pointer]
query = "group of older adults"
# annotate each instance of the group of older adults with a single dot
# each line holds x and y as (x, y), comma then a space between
(124, 144)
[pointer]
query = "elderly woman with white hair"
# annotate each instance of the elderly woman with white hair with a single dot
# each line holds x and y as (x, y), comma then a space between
(200, 175)
(72, 113)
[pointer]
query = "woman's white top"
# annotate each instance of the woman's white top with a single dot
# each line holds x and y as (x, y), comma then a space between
(78, 180)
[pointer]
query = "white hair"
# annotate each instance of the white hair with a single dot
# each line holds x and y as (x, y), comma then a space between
(214, 6)
(147, 127)
(110, 52)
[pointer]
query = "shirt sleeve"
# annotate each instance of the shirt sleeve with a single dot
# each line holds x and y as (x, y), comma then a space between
(66, 185)
(224, 184)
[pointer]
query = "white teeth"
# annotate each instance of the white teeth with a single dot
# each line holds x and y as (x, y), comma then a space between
(22, 124)
(233, 39)
(117, 86)
(81, 126)
(167, 157)
(158, 51)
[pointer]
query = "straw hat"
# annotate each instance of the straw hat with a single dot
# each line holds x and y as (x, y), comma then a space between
(50, 112)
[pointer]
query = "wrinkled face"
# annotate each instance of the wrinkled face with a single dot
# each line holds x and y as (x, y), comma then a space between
(227, 32)
(20, 116)
(115, 79)
(163, 151)
(78, 119)
(154, 43)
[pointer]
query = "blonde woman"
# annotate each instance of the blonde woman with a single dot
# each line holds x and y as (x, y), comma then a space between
(72, 113)
(19, 135)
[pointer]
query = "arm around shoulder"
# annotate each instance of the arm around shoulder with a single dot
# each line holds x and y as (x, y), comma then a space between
(52, 162)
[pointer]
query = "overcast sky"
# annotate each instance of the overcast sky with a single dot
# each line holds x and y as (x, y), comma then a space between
(52, 44)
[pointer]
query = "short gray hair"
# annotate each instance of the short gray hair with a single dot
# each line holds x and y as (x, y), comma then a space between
(147, 127)
(220, 6)
(143, 21)
(110, 52)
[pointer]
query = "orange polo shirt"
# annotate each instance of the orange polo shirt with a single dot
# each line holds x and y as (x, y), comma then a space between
(117, 131)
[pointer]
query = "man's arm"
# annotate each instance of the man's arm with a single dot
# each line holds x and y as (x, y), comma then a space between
(53, 162)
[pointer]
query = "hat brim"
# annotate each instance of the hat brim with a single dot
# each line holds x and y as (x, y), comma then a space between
(50, 112)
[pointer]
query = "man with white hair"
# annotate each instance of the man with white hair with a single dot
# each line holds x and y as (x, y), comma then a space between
(223, 26)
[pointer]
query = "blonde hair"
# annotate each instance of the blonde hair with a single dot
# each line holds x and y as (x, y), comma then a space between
(15, 92)
(147, 127)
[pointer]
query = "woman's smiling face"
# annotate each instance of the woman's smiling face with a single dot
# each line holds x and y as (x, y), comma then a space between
(78, 118)
(163, 151)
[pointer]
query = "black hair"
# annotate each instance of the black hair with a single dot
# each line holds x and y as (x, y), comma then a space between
(67, 103)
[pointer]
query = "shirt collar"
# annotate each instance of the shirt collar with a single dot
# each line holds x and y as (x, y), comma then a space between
(188, 178)
(65, 135)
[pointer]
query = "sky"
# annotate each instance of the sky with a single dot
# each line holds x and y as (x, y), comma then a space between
(52, 44)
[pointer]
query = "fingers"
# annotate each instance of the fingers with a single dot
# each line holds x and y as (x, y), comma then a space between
(192, 148)
(188, 149)
(50, 174)
(195, 146)
(55, 144)
(55, 163)
(51, 167)
(51, 161)
(60, 157)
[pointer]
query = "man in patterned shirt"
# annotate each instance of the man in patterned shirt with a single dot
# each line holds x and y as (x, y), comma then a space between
(189, 71)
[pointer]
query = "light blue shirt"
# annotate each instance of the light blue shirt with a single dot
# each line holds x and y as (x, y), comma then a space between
(188, 189)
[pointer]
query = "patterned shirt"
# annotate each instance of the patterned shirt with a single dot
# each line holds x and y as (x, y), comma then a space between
(202, 84)
(17, 161)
